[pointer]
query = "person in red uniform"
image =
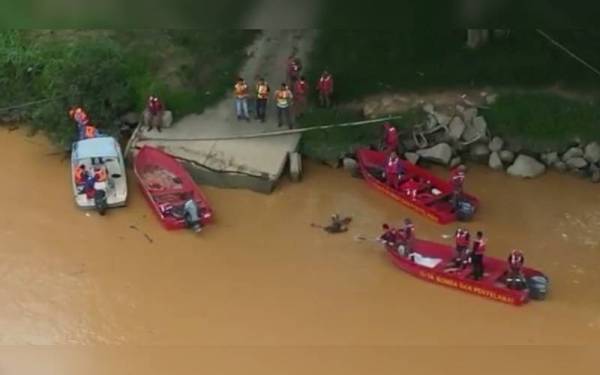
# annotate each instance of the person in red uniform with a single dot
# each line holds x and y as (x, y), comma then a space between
(515, 279)
(155, 109)
(390, 138)
(457, 179)
(391, 170)
(463, 240)
(479, 247)
(325, 89)
(389, 236)
(458, 247)
(80, 175)
(407, 236)
(81, 120)
(300, 91)
(294, 66)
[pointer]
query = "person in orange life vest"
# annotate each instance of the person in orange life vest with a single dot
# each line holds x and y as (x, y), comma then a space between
(283, 101)
(241, 99)
(90, 131)
(515, 278)
(390, 138)
(262, 95)
(300, 91)
(325, 89)
(81, 120)
(80, 175)
(389, 236)
(411, 188)
(155, 109)
(407, 236)
(479, 247)
(391, 170)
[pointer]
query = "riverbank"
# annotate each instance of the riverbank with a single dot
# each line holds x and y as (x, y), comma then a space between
(116, 71)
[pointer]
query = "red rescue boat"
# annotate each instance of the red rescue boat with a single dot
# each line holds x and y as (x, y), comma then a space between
(165, 182)
(433, 198)
(432, 262)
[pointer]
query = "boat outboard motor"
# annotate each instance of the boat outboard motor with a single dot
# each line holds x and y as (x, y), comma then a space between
(464, 210)
(191, 217)
(100, 198)
(538, 287)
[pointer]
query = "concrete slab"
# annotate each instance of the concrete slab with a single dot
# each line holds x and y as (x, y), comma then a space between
(255, 163)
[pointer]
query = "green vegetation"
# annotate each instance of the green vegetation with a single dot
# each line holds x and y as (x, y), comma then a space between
(111, 72)
(422, 56)
(331, 144)
(544, 120)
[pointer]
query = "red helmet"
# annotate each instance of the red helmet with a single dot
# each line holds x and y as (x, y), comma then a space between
(385, 227)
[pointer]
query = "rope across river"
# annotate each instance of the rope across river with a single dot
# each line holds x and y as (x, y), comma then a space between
(272, 133)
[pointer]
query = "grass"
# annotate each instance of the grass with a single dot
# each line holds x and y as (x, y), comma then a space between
(331, 144)
(543, 120)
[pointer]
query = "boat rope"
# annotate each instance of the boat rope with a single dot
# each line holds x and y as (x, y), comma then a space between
(567, 51)
(272, 133)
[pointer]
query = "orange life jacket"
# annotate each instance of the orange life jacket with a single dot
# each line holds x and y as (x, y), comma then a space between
(262, 91)
(79, 175)
(90, 131)
(241, 90)
(283, 98)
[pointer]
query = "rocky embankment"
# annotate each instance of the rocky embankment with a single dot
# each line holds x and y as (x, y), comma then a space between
(459, 132)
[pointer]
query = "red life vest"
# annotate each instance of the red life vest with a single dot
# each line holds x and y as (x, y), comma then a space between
(408, 231)
(90, 131)
(325, 84)
(300, 88)
(464, 239)
(154, 105)
(100, 174)
(479, 246)
(391, 137)
(392, 165)
(457, 238)
(516, 260)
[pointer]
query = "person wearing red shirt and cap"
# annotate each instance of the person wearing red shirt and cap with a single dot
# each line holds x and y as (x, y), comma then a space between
(390, 138)
(155, 111)
(300, 91)
(515, 279)
(479, 247)
(407, 236)
(325, 89)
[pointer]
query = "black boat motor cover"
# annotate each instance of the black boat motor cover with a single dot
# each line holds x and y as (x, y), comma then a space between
(464, 210)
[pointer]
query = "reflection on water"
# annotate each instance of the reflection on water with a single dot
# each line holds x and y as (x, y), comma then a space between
(262, 276)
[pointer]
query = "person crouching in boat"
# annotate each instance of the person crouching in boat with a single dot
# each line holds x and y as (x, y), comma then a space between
(457, 178)
(389, 236)
(406, 238)
(191, 215)
(462, 240)
(390, 138)
(479, 247)
(392, 168)
(515, 278)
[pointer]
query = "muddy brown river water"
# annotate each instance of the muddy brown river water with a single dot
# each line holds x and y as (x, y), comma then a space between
(261, 288)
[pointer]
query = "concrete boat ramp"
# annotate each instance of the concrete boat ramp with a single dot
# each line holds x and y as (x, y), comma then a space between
(255, 163)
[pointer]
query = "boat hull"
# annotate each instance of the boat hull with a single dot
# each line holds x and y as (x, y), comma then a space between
(490, 286)
(436, 208)
(176, 182)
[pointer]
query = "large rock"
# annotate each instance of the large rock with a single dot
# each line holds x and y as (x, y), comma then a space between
(167, 119)
(455, 162)
(442, 118)
(428, 108)
(431, 122)
(595, 177)
(491, 99)
(477, 130)
(349, 164)
(496, 144)
(573, 152)
(527, 167)
(440, 153)
(592, 152)
(507, 156)
(495, 162)
(479, 152)
(412, 157)
(560, 166)
(576, 163)
(456, 128)
(469, 115)
(370, 109)
(550, 158)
